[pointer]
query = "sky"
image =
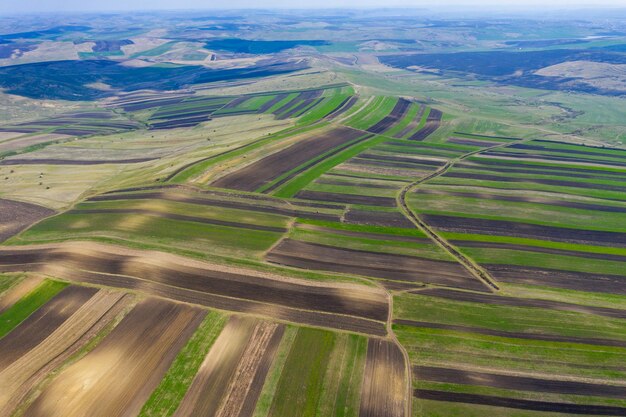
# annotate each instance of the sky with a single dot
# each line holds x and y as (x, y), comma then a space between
(34, 6)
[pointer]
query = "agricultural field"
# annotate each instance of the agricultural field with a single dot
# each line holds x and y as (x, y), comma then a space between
(350, 213)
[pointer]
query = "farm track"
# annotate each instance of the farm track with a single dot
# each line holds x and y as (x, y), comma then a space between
(343, 306)
(471, 266)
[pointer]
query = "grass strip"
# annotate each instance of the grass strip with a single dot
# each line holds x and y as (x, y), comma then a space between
(166, 398)
(28, 304)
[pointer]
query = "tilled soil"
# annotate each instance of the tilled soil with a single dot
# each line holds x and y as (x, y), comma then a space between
(384, 382)
(571, 409)
(15, 216)
(374, 264)
(119, 374)
(271, 167)
(524, 230)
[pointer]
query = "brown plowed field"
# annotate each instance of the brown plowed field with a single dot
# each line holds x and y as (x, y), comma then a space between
(521, 302)
(117, 377)
(15, 216)
(17, 379)
(581, 281)
(39, 325)
(433, 121)
(565, 408)
(521, 383)
(252, 362)
(384, 382)
(524, 230)
(328, 181)
(254, 392)
(17, 291)
(271, 167)
(347, 198)
(397, 113)
(360, 308)
(513, 335)
(380, 265)
(210, 387)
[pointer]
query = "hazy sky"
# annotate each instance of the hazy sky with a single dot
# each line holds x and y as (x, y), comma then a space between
(20, 6)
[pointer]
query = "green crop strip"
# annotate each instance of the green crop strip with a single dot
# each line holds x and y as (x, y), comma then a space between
(202, 165)
(166, 398)
(290, 188)
(28, 304)
(300, 387)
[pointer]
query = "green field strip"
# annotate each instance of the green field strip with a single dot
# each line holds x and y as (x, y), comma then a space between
(291, 188)
(404, 122)
(341, 393)
(551, 164)
(393, 247)
(603, 300)
(234, 215)
(535, 242)
(437, 346)
(589, 149)
(501, 185)
(273, 376)
(572, 263)
(421, 124)
(282, 102)
(300, 386)
(196, 168)
(308, 165)
(168, 395)
(569, 157)
(324, 109)
(367, 119)
(534, 213)
(528, 320)
(365, 228)
(28, 304)
(153, 230)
